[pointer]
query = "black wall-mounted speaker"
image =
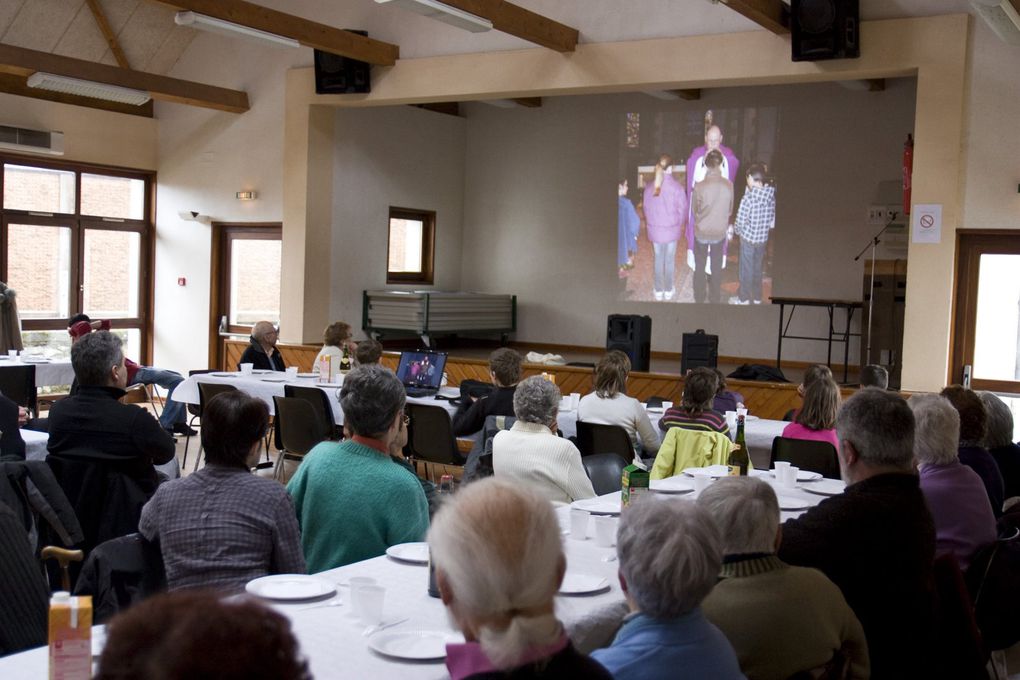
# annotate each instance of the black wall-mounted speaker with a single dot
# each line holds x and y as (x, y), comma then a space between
(699, 349)
(339, 75)
(632, 335)
(825, 29)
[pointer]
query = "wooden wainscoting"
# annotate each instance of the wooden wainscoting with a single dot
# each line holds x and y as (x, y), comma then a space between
(764, 399)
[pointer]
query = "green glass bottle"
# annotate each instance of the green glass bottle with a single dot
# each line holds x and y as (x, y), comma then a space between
(739, 461)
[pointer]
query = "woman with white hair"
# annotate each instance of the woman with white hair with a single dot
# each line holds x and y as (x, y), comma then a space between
(999, 442)
(531, 454)
(956, 496)
(670, 552)
(499, 587)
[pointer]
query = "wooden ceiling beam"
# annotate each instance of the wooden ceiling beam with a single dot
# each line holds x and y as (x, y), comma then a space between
(770, 14)
(107, 31)
(308, 33)
(12, 84)
(24, 62)
(525, 24)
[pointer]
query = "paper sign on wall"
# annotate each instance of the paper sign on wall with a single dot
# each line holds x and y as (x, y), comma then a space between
(927, 223)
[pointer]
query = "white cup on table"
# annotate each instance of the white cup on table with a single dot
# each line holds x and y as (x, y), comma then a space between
(579, 524)
(246, 369)
(605, 531)
(369, 601)
(354, 585)
(790, 477)
(12, 353)
(701, 483)
(575, 400)
(731, 420)
(666, 405)
(292, 373)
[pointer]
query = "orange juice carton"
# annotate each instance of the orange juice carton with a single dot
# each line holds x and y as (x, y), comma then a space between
(635, 484)
(70, 636)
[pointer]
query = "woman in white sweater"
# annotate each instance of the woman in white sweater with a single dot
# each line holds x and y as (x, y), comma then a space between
(610, 405)
(530, 453)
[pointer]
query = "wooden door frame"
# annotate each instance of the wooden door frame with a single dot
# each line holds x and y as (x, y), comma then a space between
(217, 272)
(970, 245)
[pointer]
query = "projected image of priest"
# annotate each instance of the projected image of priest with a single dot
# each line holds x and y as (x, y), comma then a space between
(711, 206)
(665, 207)
(697, 170)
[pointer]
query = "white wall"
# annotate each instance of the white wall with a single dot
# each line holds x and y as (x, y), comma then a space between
(402, 157)
(540, 211)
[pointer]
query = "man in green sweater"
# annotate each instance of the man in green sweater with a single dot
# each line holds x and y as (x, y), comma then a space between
(780, 619)
(352, 502)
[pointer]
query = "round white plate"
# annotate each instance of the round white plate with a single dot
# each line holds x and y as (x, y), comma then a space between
(326, 384)
(713, 471)
(274, 380)
(308, 375)
(582, 584)
(415, 645)
(678, 484)
(598, 506)
(261, 371)
(415, 553)
(34, 360)
(825, 487)
(290, 587)
(223, 375)
(791, 503)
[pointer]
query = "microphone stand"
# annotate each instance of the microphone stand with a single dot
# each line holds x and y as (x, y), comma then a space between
(873, 244)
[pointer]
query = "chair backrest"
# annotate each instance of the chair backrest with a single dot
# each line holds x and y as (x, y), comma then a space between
(605, 471)
(593, 439)
(17, 383)
(300, 427)
(207, 391)
(682, 449)
(194, 409)
(961, 651)
(319, 401)
(815, 456)
(23, 589)
(119, 573)
(31, 491)
(993, 578)
(430, 435)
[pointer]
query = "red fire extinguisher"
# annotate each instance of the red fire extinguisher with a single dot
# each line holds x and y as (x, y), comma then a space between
(908, 170)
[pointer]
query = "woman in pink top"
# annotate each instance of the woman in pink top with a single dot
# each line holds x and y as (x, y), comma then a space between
(665, 208)
(816, 420)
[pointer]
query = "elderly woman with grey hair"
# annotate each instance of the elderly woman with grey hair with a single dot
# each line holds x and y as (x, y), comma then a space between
(530, 453)
(999, 442)
(352, 502)
(670, 552)
(499, 587)
(781, 619)
(262, 353)
(964, 522)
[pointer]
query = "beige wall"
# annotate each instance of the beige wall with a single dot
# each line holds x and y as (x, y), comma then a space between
(933, 48)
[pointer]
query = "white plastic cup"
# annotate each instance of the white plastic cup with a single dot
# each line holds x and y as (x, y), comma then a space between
(779, 472)
(246, 369)
(575, 400)
(12, 353)
(291, 372)
(579, 524)
(701, 483)
(666, 405)
(369, 603)
(355, 584)
(731, 420)
(790, 477)
(742, 412)
(605, 531)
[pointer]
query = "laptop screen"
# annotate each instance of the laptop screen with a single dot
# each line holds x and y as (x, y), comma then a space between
(421, 369)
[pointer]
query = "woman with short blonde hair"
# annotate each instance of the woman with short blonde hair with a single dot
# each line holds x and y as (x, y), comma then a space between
(610, 405)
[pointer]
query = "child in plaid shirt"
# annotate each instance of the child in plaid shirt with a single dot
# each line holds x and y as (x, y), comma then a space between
(756, 217)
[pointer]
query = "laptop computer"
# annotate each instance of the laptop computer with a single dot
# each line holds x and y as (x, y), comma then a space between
(421, 372)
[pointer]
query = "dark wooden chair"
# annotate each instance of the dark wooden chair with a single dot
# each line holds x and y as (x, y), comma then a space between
(593, 439)
(605, 470)
(430, 436)
(815, 456)
(300, 430)
(17, 383)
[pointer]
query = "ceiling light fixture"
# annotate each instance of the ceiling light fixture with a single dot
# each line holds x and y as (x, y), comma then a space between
(87, 88)
(213, 25)
(440, 12)
(246, 195)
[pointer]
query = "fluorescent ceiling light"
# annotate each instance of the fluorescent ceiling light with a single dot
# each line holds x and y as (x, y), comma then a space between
(213, 25)
(88, 88)
(440, 12)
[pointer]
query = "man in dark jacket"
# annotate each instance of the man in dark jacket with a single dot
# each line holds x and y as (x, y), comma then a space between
(262, 353)
(876, 541)
(505, 371)
(95, 421)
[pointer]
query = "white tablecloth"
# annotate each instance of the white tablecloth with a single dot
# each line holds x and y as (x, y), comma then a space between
(267, 386)
(35, 449)
(55, 372)
(331, 638)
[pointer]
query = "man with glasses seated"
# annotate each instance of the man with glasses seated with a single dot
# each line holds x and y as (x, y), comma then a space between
(262, 353)
(174, 416)
(352, 502)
